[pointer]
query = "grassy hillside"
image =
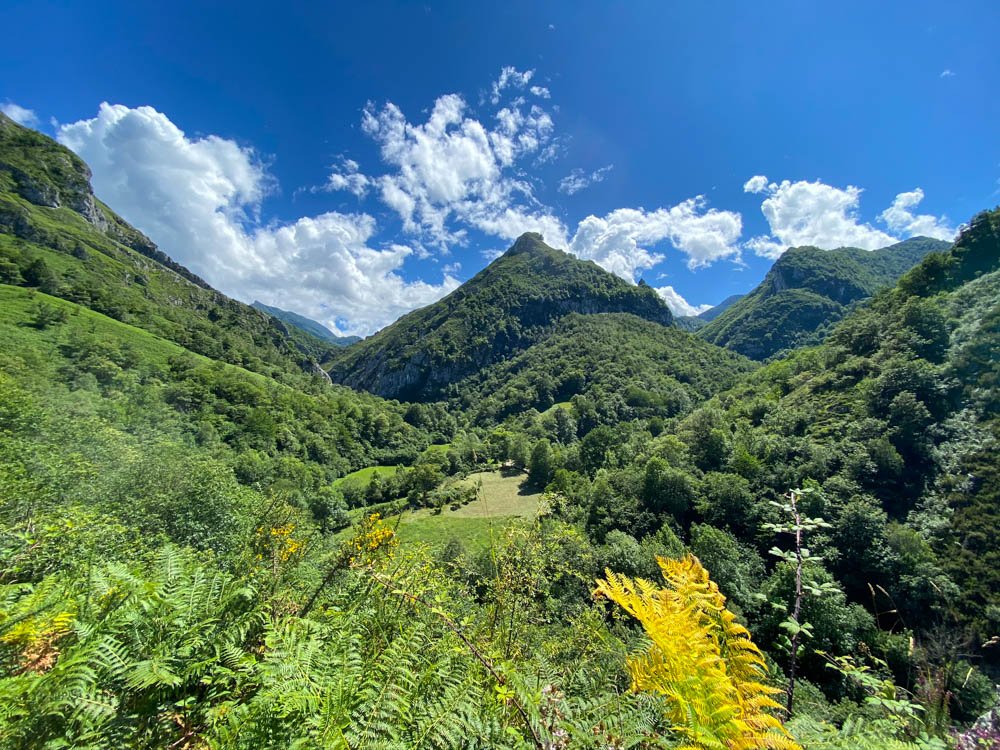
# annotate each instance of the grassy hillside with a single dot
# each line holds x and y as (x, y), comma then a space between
(503, 309)
(501, 498)
(806, 292)
(56, 236)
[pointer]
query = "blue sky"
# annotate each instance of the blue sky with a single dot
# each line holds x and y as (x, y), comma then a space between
(352, 162)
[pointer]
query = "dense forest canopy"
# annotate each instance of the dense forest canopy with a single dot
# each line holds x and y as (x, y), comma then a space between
(583, 527)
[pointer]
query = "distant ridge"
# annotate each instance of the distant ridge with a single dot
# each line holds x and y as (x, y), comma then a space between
(693, 323)
(712, 313)
(308, 325)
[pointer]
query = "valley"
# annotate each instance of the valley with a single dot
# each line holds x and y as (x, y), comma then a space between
(222, 527)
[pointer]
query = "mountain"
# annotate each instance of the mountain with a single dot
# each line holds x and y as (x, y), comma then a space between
(806, 291)
(308, 325)
(612, 366)
(897, 413)
(710, 315)
(503, 309)
(169, 513)
(58, 237)
(695, 322)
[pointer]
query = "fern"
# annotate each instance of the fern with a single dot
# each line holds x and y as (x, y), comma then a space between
(700, 660)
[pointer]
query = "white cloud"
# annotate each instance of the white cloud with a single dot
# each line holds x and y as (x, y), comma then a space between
(814, 213)
(620, 241)
(900, 218)
(811, 213)
(455, 168)
(541, 92)
(19, 114)
(199, 199)
(510, 77)
(345, 176)
(578, 180)
(756, 184)
(453, 173)
(678, 305)
(947, 73)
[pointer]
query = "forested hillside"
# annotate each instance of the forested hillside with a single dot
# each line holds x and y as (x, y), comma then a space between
(612, 367)
(806, 292)
(605, 532)
(503, 309)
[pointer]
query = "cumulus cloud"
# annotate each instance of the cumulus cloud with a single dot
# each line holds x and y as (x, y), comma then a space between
(578, 179)
(814, 213)
(678, 305)
(199, 199)
(811, 213)
(455, 172)
(899, 217)
(756, 184)
(947, 73)
(454, 168)
(540, 91)
(19, 114)
(620, 240)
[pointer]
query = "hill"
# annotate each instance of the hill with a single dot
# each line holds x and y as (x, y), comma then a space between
(312, 327)
(58, 237)
(503, 309)
(614, 367)
(805, 292)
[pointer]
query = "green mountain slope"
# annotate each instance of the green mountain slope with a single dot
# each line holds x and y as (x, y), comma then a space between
(503, 309)
(897, 415)
(709, 315)
(56, 236)
(805, 292)
(695, 322)
(615, 366)
(310, 326)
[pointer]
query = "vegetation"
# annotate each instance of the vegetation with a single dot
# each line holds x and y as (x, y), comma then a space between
(208, 545)
(805, 293)
(314, 329)
(503, 309)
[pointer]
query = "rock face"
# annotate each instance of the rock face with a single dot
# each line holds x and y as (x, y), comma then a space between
(50, 175)
(504, 309)
(44, 173)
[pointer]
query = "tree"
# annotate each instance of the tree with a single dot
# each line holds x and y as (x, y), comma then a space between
(541, 467)
(45, 315)
(796, 525)
(40, 275)
(666, 489)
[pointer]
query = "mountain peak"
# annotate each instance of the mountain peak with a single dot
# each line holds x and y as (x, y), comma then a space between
(506, 307)
(528, 242)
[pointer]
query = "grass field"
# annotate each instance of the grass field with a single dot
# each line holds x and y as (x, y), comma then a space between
(504, 498)
(364, 476)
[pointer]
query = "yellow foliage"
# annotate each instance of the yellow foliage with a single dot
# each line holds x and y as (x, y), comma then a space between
(372, 537)
(700, 659)
(37, 639)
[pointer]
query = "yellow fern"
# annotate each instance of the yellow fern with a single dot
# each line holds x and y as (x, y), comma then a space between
(700, 659)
